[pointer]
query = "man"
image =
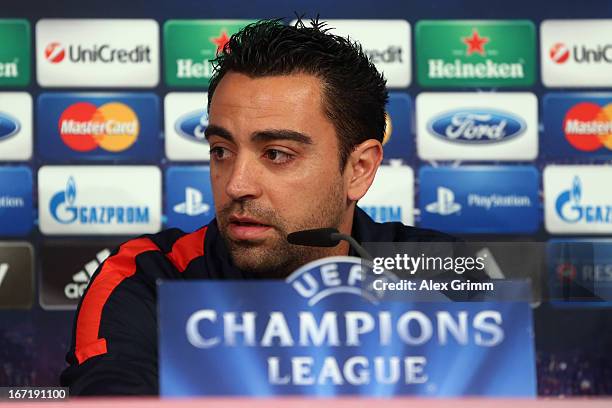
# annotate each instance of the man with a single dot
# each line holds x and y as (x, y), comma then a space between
(296, 120)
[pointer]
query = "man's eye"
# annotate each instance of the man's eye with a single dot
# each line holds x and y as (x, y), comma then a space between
(277, 156)
(219, 153)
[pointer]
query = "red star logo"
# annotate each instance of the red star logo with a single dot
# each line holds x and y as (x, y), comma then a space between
(220, 41)
(475, 43)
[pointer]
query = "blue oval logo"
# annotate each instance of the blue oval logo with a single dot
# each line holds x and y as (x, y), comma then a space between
(192, 126)
(9, 126)
(476, 126)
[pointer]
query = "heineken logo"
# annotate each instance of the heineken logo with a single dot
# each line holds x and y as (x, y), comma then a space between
(191, 44)
(475, 43)
(15, 54)
(475, 53)
(487, 70)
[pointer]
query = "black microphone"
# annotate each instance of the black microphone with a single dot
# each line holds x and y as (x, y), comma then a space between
(326, 237)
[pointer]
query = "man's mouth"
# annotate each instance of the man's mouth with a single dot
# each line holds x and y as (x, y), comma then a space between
(247, 228)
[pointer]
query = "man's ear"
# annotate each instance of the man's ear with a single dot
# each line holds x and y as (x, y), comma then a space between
(361, 168)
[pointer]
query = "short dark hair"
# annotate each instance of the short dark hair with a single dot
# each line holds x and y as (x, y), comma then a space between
(354, 92)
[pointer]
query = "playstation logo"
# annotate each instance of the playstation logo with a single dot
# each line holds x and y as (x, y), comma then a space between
(445, 203)
(193, 204)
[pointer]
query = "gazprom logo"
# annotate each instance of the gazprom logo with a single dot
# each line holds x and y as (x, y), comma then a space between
(569, 207)
(192, 125)
(476, 126)
(63, 209)
(9, 126)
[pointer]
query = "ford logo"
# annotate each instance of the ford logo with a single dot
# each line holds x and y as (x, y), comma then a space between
(8, 126)
(476, 126)
(192, 125)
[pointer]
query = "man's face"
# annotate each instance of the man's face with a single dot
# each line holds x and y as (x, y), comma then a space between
(274, 169)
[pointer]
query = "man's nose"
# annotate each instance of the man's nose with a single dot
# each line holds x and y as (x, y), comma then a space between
(244, 181)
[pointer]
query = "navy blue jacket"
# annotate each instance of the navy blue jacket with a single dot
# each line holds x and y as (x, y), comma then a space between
(114, 340)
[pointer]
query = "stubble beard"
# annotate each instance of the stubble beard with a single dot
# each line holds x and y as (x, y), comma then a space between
(277, 258)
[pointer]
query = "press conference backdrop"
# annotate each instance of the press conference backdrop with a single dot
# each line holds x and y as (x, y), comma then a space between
(499, 128)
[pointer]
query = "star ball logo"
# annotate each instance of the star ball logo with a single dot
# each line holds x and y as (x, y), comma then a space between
(113, 127)
(588, 126)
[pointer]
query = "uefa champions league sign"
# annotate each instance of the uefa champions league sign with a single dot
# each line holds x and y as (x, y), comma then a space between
(324, 332)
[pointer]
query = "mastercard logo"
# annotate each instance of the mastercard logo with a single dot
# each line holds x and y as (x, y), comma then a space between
(588, 126)
(113, 127)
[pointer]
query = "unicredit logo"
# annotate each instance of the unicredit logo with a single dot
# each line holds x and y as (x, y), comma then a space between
(392, 53)
(560, 53)
(54, 53)
(103, 53)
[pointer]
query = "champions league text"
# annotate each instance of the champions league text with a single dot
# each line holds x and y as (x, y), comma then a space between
(345, 330)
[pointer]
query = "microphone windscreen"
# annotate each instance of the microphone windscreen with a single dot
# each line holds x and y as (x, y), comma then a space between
(321, 237)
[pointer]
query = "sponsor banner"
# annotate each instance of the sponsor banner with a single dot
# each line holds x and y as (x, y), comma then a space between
(576, 53)
(390, 198)
(16, 211)
(189, 199)
(578, 199)
(477, 126)
(189, 45)
(324, 332)
(578, 125)
(580, 271)
(16, 275)
(15, 126)
(398, 141)
(62, 288)
(480, 53)
(15, 52)
(98, 126)
(97, 52)
(99, 200)
(386, 43)
(480, 199)
(186, 119)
